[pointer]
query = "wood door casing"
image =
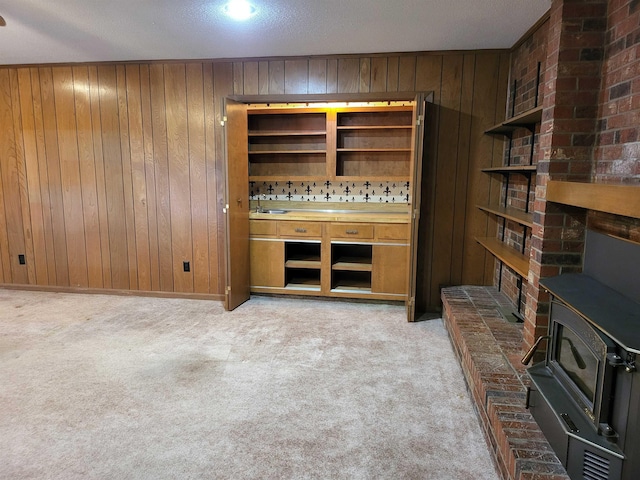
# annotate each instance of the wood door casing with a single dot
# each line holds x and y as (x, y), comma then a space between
(416, 186)
(237, 205)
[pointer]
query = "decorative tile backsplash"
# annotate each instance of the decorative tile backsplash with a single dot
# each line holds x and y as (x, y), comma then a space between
(332, 191)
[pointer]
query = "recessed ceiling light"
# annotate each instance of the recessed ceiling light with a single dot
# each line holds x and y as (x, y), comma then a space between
(239, 9)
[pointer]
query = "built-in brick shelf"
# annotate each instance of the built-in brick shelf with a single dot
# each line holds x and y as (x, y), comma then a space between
(489, 350)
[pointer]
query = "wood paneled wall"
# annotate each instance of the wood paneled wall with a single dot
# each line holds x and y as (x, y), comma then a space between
(112, 175)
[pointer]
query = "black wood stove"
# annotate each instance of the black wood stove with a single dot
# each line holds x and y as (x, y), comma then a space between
(585, 395)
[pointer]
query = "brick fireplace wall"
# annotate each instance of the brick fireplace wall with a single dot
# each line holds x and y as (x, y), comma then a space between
(572, 82)
(617, 150)
(589, 51)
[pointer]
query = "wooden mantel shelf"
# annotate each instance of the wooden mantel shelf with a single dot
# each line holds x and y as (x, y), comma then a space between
(603, 197)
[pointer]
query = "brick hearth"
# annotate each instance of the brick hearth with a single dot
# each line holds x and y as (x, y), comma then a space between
(489, 350)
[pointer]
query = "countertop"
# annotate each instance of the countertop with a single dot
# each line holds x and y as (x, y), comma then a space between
(334, 212)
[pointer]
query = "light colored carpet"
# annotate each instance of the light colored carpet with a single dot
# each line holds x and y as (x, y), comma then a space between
(108, 387)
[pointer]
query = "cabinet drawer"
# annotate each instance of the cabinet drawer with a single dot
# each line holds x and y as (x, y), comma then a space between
(299, 229)
(399, 231)
(262, 227)
(351, 230)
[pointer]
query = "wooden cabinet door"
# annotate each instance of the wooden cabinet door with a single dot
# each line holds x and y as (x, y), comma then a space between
(416, 186)
(389, 269)
(267, 262)
(237, 205)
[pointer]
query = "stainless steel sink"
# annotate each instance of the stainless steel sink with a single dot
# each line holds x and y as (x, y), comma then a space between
(275, 211)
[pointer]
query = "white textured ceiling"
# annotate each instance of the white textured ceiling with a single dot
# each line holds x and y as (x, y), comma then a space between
(53, 31)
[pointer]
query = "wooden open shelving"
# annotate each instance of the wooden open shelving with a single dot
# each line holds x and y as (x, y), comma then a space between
(287, 133)
(507, 255)
(517, 260)
(348, 143)
(527, 119)
(374, 127)
(510, 213)
(508, 169)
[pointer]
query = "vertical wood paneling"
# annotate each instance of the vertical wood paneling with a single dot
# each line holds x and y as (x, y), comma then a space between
(213, 206)
(238, 78)
(296, 76)
(178, 156)
(4, 241)
(263, 77)
(318, 75)
(127, 183)
(32, 191)
(379, 74)
(463, 171)
(276, 77)
(27, 248)
(251, 78)
(52, 163)
(407, 73)
(332, 75)
(5, 266)
(87, 165)
(138, 177)
(365, 75)
(348, 75)
(101, 193)
(446, 164)
(478, 264)
(70, 175)
(115, 173)
(160, 153)
(392, 74)
(198, 177)
(112, 155)
(8, 209)
(150, 177)
(43, 178)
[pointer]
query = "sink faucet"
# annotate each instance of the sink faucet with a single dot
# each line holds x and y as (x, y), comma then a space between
(260, 208)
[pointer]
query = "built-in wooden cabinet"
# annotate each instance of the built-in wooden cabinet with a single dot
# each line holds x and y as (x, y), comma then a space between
(359, 260)
(352, 252)
(287, 144)
(374, 143)
(346, 143)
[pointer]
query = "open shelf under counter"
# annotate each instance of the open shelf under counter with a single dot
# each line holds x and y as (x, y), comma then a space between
(353, 264)
(300, 263)
(510, 213)
(526, 119)
(507, 255)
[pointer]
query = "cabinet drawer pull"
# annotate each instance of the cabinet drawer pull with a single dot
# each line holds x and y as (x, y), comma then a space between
(301, 230)
(351, 232)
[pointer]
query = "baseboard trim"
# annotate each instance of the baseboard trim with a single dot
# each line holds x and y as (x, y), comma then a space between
(104, 291)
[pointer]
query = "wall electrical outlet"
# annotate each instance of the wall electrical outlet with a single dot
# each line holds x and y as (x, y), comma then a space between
(186, 266)
(21, 259)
